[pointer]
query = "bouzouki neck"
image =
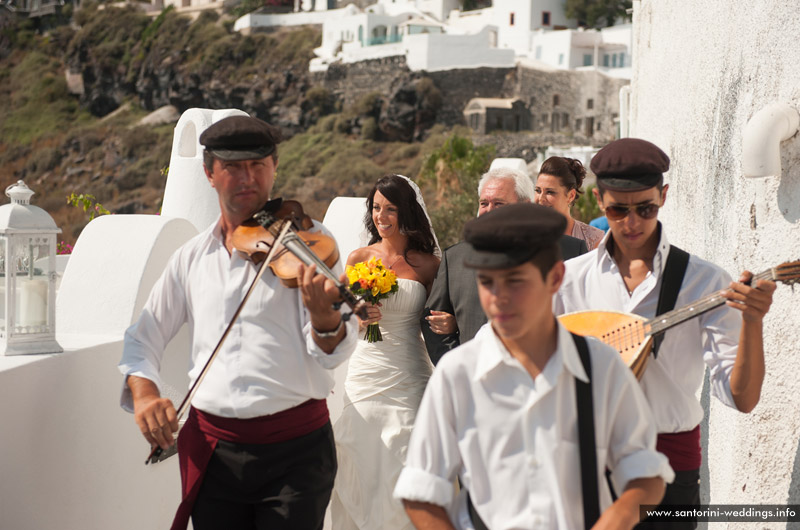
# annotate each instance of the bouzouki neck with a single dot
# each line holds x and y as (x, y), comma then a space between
(788, 272)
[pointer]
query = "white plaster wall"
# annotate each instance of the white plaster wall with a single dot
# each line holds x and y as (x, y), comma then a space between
(72, 459)
(188, 194)
(699, 74)
(553, 45)
(432, 52)
(353, 52)
(113, 266)
(252, 20)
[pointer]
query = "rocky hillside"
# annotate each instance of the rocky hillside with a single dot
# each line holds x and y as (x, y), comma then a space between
(76, 92)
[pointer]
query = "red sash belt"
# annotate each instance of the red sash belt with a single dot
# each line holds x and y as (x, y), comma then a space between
(681, 448)
(199, 435)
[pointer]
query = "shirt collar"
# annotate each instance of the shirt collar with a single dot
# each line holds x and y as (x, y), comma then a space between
(496, 353)
(603, 256)
(216, 230)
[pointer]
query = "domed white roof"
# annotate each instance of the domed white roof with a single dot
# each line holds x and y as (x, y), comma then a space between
(20, 214)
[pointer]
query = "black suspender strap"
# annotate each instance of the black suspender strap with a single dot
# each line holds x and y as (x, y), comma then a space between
(586, 439)
(671, 280)
(586, 445)
(477, 522)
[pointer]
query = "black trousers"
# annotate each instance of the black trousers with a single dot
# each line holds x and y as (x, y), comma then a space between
(278, 486)
(684, 490)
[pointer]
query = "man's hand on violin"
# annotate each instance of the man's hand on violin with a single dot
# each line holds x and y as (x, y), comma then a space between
(319, 295)
(155, 416)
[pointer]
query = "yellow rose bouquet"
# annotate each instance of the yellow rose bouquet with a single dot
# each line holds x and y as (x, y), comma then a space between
(373, 282)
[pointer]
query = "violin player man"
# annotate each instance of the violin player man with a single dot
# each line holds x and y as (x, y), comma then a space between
(453, 312)
(633, 270)
(257, 448)
(505, 412)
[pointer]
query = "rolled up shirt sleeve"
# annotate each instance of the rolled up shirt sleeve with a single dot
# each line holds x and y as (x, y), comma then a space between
(433, 456)
(348, 343)
(342, 350)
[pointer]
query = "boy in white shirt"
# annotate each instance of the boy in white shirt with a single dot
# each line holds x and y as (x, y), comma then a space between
(500, 411)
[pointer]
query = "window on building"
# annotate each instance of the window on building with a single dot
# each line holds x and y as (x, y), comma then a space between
(545, 18)
(605, 60)
(621, 59)
(589, 104)
(555, 100)
(614, 60)
(587, 59)
(560, 59)
(511, 19)
(578, 124)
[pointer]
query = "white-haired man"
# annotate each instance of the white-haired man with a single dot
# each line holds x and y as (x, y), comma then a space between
(453, 312)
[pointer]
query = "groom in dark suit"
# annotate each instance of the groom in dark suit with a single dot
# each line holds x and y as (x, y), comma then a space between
(453, 312)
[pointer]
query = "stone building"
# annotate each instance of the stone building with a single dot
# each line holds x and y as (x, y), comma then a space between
(485, 115)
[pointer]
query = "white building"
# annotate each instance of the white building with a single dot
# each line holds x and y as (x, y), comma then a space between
(607, 50)
(534, 32)
(387, 29)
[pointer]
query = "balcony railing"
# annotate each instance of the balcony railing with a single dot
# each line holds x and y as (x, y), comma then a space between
(388, 39)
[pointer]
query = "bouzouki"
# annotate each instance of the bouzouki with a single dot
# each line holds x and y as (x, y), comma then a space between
(632, 335)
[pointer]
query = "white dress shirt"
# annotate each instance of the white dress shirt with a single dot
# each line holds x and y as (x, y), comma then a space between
(672, 380)
(513, 440)
(269, 361)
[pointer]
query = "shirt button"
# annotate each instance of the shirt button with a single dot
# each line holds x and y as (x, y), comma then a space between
(532, 461)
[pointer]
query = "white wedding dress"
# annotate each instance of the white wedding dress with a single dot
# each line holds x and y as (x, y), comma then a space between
(383, 389)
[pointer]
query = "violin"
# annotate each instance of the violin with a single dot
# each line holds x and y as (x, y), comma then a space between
(254, 238)
(276, 236)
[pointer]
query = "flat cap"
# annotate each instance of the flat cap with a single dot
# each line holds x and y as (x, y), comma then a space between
(629, 164)
(240, 138)
(511, 235)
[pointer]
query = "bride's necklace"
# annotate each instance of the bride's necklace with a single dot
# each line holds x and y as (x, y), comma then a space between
(398, 258)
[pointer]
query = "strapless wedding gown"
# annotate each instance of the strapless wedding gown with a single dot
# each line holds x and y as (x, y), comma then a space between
(383, 389)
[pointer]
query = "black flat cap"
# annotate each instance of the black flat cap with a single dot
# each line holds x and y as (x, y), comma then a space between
(629, 164)
(511, 235)
(240, 138)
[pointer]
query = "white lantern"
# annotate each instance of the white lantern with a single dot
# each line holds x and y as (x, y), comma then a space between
(27, 275)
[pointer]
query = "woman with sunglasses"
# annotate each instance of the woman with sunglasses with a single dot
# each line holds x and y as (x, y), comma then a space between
(558, 186)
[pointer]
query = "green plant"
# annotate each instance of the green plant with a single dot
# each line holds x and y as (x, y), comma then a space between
(454, 170)
(585, 208)
(87, 202)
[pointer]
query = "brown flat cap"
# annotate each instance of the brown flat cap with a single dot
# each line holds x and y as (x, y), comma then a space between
(240, 138)
(511, 235)
(629, 164)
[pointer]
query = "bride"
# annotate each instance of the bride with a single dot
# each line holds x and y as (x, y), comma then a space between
(386, 379)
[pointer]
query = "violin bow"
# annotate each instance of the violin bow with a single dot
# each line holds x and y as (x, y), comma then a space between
(157, 454)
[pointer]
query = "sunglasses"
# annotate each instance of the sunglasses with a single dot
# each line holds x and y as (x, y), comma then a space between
(645, 211)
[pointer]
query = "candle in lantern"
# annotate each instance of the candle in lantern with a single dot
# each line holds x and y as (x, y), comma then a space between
(32, 302)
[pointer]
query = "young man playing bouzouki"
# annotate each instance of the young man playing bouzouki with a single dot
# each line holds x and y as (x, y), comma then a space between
(527, 416)
(625, 273)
